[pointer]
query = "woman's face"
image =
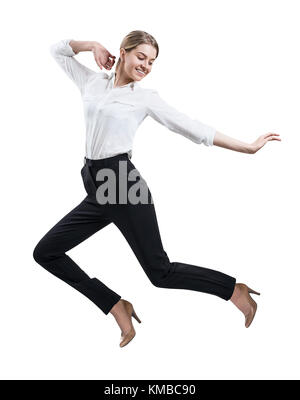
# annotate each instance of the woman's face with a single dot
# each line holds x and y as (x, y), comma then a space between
(139, 61)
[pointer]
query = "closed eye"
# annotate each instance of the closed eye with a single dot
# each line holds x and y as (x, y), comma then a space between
(144, 59)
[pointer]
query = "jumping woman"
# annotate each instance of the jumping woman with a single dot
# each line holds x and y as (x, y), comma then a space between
(114, 107)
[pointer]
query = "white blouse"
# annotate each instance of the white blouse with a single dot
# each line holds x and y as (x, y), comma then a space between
(112, 115)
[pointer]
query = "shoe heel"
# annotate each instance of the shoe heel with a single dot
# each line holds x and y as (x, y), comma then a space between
(253, 291)
(135, 316)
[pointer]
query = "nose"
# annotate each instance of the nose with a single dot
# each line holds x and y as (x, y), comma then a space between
(144, 66)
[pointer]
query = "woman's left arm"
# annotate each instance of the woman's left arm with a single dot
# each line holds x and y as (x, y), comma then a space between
(230, 143)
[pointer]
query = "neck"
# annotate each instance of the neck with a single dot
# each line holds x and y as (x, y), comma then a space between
(121, 79)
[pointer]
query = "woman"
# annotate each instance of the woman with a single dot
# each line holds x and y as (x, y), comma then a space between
(114, 107)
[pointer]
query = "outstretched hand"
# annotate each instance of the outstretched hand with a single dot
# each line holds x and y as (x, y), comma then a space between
(262, 140)
(103, 57)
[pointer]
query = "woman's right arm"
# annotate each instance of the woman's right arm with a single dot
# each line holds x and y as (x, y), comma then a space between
(64, 51)
(78, 46)
(102, 56)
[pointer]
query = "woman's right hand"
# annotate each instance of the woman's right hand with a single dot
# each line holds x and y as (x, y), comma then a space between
(103, 57)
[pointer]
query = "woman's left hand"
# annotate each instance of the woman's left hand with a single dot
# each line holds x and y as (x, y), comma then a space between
(262, 140)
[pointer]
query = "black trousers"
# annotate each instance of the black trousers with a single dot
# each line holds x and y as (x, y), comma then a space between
(137, 222)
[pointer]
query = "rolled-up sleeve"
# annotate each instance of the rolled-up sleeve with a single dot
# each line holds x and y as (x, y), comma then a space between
(178, 122)
(63, 54)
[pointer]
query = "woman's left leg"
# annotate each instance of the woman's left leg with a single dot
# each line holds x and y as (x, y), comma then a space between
(138, 224)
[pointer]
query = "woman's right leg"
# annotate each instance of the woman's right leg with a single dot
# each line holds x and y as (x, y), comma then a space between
(79, 224)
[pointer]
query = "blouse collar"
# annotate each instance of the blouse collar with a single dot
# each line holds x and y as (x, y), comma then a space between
(112, 77)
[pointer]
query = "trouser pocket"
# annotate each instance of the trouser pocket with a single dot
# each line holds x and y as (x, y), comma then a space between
(88, 181)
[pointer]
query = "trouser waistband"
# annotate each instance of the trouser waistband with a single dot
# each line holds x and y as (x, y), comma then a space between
(105, 161)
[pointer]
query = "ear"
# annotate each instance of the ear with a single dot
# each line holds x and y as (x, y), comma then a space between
(122, 53)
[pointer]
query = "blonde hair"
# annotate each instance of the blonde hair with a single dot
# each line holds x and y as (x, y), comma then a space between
(135, 38)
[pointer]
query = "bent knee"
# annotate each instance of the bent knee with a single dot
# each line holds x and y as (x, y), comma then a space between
(160, 271)
(158, 282)
(37, 254)
(161, 278)
(40, 255)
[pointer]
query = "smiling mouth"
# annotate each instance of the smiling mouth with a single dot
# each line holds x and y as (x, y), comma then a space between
(140, 73)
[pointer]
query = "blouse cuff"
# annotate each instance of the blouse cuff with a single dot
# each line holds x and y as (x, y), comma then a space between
(211, 137)
(66, 49)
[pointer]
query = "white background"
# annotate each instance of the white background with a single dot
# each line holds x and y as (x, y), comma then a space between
(231, 64)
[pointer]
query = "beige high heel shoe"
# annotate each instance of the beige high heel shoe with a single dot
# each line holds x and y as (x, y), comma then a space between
(245, 290)
(125, 339)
